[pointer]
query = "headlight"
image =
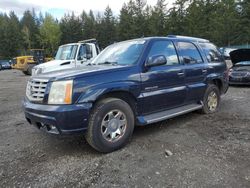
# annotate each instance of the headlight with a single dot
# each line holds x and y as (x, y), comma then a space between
(36, 71)
(61, 92)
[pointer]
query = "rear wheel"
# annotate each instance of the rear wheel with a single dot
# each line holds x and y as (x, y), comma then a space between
(25, 72)
(211, 99)
(111, 125)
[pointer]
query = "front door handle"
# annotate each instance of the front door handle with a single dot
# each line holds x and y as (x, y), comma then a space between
(204, 71)
(180, 73)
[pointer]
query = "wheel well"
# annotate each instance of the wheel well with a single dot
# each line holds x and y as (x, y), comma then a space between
(123, 95)
(218, 83)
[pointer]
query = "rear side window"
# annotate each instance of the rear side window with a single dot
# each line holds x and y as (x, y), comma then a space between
(212, 52)
(165, 48)
(189, 52)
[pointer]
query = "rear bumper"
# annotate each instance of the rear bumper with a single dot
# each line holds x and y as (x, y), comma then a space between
(239, 81)
(58, 119)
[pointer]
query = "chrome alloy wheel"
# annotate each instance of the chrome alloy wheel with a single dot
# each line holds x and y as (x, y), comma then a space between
(113, 125)
(212, 101)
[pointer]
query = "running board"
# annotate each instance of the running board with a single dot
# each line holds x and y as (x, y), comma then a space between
(160, 116)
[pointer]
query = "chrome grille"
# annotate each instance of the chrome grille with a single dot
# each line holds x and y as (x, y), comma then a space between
(35, 90)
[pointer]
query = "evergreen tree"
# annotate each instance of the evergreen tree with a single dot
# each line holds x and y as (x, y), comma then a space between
(3, 23)
(71, 28)
(176, 19)
(244, 23)
(89, 25)
(50, 34)
(107, 30)
(159, 16)
(139, 9)
(30, 30)
(10, 35)
(225, 22)
(126, 24)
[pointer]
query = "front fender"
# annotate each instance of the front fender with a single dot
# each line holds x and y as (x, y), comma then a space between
(93, 93)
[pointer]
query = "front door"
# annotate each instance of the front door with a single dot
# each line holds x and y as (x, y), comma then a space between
(163, 87)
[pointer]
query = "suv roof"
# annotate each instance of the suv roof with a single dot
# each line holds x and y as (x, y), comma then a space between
(195, 39)
(175, 37)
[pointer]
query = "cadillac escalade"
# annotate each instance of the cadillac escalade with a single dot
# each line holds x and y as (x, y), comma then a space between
(134, 82)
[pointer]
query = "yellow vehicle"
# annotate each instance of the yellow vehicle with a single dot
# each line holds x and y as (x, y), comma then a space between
(27, 62)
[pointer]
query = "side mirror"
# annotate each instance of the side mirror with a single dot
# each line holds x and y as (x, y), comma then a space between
(156, 61)
(88, 56)
(187, 60)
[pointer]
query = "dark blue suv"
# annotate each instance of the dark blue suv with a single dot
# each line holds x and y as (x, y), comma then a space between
(135, 82)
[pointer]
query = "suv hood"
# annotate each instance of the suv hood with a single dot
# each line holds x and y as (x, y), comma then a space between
(72, 73)
(240, 55)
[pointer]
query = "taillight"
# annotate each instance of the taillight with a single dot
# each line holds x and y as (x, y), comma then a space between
(228, 73)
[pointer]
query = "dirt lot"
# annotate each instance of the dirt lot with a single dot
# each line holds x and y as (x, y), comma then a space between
(208, 150)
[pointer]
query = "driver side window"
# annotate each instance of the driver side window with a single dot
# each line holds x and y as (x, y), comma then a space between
(82, 52)
(165, 48)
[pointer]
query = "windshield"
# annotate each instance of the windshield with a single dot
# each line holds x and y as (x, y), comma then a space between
(67, 52)
(122, 53)
(36, 53)
(243, 63)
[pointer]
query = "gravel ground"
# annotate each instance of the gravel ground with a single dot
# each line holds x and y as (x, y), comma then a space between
(207, 150)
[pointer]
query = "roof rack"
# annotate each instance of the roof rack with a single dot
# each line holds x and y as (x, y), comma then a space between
(88, 40)
(188, 38)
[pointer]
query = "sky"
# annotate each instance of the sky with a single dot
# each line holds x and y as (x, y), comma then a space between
(59, 7)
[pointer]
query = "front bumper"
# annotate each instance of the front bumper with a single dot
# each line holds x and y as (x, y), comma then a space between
(58, 119)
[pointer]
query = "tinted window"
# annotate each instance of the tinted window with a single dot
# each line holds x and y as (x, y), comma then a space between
(189, 52)
(212, 53)
(165, 48)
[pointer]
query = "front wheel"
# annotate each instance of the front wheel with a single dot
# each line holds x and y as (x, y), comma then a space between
(111, 125)
(211, 99)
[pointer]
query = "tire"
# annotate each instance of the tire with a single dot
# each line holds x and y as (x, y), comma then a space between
(107, 117)
(211, 99)
(29, 70)
(25, 72)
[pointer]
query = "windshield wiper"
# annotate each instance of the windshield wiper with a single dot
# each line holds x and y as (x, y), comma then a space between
(108, 63)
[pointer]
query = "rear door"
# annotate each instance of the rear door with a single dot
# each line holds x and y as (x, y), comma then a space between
(163, 87)
(195, 70)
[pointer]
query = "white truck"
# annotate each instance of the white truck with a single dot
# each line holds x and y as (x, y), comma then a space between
(70, 56)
